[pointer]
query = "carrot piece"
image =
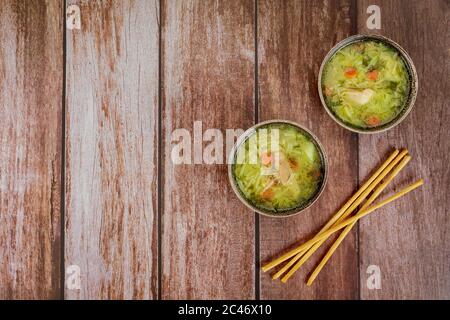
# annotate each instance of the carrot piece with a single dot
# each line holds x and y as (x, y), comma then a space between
(315, 174)
(350, 72)
(372, 75)
(373, 121)
(266, 158)
(293, 164)
(267, 194)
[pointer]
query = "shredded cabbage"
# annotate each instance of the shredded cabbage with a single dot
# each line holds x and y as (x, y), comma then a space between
(366, 84)
(295, 180)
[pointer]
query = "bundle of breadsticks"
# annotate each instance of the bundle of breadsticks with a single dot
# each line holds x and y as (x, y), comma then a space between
(344, 219)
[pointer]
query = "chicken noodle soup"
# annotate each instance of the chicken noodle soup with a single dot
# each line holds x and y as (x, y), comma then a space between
(278, 168)
(366, 84)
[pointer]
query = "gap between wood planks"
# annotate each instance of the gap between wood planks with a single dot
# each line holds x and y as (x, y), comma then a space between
(257, 236)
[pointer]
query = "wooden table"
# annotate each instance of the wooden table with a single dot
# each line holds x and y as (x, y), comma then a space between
(88, 187)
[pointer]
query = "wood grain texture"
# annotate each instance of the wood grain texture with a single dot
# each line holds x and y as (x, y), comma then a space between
(111, 149)
(31, 78)
(208, 64)
(409, 240)
(293, 38)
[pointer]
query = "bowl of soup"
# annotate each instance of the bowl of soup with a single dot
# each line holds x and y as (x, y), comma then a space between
(367, 83)
(278, 168)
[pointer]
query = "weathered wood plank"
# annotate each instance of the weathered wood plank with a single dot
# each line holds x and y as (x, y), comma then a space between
(409, 240)
(293, 38)
(111, 149)
(31, 77)
(208, 64)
